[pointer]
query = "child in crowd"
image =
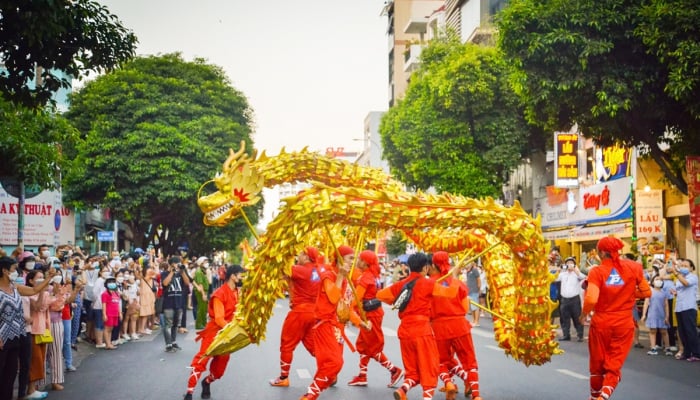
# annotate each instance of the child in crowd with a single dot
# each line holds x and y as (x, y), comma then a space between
(655, 314)
(111, 310)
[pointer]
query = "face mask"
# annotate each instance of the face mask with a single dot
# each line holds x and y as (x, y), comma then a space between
(20, 280)
(56, 279)
(13, 276)
(239, 283)
(564, 267)
(137, 282)
(106, 275)
(29, 265)
(658, 284)
(120, 279)
(570, 266)
(96, 265)
(38, 281)
(684, 271)
(111, 286)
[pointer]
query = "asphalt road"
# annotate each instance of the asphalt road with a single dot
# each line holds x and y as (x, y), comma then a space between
(142, 370)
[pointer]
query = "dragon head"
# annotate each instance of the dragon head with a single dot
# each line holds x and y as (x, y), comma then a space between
(238, 186)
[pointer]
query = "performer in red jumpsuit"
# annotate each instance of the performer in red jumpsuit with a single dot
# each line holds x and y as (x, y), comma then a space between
(613, 287)
(328, 334)
(222, 307)
(370, 343)
(304, 285)
(418, 348)
(453, 335)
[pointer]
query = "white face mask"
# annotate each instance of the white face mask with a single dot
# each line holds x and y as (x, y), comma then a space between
(56, 279)
(45, 254)
(106, 275)
(658, 284)
(29, 265)
(120, 279)
(38, 281)
(13, 276)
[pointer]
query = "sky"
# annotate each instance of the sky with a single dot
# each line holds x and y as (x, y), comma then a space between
(311, 69)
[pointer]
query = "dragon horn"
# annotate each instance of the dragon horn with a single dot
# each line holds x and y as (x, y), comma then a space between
(234, 156)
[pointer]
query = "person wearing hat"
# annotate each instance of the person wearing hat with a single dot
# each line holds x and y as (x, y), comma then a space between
(331, 312)
(570, 298)
(200, 284)
(12, 323)
(222, 307)
(370, 343)
(304, 284)
(613, 287)
(453, 334)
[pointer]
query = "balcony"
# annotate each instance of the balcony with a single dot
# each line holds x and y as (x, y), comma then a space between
(412, 58)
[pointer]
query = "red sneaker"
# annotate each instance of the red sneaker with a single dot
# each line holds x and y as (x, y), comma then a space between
(396, 377)
(359, 380)
(399, 394)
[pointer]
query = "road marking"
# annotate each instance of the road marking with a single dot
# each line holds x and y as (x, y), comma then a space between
(492, 347)
(482, 333)
(572, 374)
(303, 373)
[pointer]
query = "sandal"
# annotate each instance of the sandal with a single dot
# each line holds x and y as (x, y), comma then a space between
(110, 347)
(679, 356)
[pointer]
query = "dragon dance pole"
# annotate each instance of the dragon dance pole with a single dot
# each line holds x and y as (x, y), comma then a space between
(250, 226)
(363, 316)
(488, 310)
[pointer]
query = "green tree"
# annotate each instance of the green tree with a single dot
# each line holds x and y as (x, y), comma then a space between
(31, 143)
(155, 130)
(613, 68)
(396, 244)
(47, 36)
(459, 127)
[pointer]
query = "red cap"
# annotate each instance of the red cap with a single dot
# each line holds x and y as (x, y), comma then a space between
(442, 260)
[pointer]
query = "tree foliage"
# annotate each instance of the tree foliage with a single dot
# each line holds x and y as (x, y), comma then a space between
(396, 243)
(459, 127)
(70, 36)
(31, 145)
(625, 71)
(155, 130)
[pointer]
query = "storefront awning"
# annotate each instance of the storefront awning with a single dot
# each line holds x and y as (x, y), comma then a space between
(586, 233)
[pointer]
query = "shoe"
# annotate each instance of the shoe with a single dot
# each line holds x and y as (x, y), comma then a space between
(476, 324)
(680, 356)
(450, 391)
(638, 345)
(169, 349)
(579, 340)
(56, 387)
(118, 342)
(399, 394)
(188, 396)
(206, 389)
(100, 346)
(653, 352)
(176, 346)
(279, 382)
(692, 359)
(396, 377)
(71, 368)
(564, 338)
(135, 337)
(668, 352)
(36, 395)
(147, 331)
(673, 348)
(126, 337)
(360, 380)
(83, 327)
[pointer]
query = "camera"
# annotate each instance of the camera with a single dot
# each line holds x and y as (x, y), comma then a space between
(181, 267)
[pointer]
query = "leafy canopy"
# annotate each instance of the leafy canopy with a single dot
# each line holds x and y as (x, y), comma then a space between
(46, 36)
(155, 130)
(625, 71)
(459, 127)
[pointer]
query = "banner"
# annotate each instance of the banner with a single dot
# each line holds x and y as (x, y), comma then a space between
(692, 164)
(649, 214)
(566, 159)
(611, 163)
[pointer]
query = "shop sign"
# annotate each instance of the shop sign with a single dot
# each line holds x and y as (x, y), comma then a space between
(649, 213)
(605, 202)
(46, 220)
(692, 164)
(566, 171)
(613, 162)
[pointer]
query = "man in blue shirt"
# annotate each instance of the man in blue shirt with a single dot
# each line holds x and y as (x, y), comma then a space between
(686, 308)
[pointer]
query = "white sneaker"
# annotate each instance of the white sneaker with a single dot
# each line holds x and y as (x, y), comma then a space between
(126, 337)
(147, 331)
(119, 342)
(37, 395)
(100, 346)
(135, 337)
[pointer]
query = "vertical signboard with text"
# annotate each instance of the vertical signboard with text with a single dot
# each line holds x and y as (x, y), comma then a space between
(649, 214)
(693, 169)
(566, 171)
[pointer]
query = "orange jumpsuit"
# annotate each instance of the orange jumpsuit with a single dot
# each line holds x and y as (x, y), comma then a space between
(453, 336)
(418, 348)
(612, 289)
(221, 309)
(327, 333)
(303, 291)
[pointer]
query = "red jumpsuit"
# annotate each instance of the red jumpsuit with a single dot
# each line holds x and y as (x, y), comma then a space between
(303, 291)
(327, 333)
(612, 289)
(370, 343)
(222, 307)
(453, 336)
(418, 348)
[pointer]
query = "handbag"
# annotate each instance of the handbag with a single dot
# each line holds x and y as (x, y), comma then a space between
(44, 337)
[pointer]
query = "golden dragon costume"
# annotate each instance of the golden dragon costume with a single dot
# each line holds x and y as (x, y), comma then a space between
(362, 199)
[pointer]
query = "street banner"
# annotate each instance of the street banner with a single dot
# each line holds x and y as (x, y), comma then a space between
(692, 164)
(649, 214)
(566, 159)
(612, 162)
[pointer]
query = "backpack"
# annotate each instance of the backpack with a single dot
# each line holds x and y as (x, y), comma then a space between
(404, 296)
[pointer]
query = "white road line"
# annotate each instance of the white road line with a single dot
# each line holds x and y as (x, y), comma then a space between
(492, 347)
(303, 373)
(572, 374)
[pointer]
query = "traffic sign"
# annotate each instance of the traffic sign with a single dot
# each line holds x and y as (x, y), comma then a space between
(105, 236)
